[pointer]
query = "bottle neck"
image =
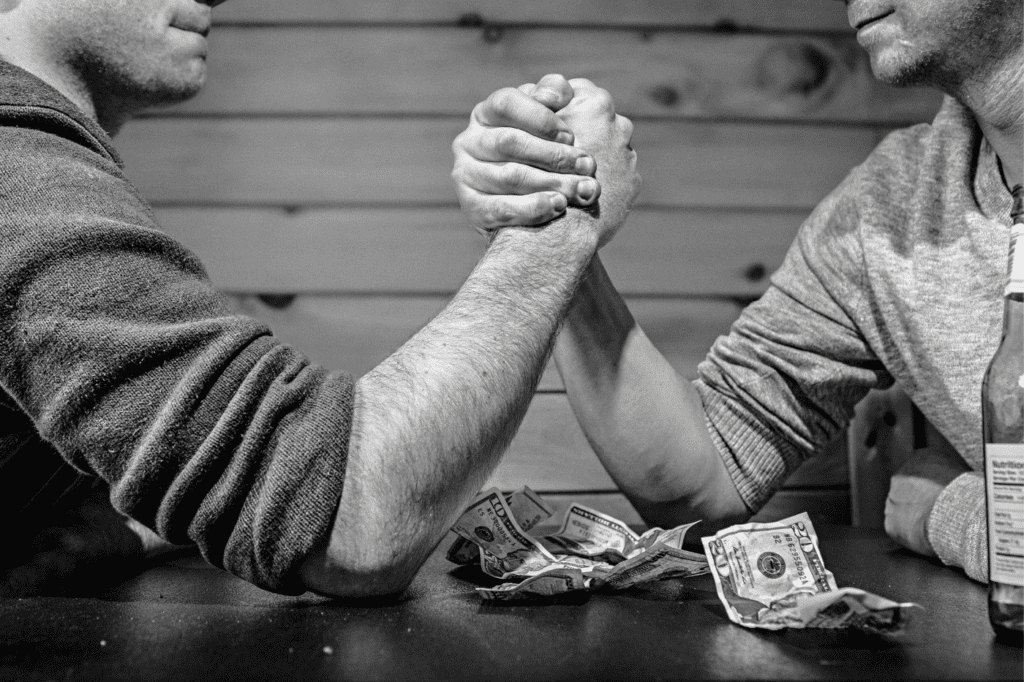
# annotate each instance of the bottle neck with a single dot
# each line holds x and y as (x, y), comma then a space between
(1013, 316)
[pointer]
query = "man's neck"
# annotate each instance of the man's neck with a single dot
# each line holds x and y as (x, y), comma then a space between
(997, 102)
(110, 118)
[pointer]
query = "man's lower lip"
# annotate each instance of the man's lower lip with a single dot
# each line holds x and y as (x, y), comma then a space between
(872, 22)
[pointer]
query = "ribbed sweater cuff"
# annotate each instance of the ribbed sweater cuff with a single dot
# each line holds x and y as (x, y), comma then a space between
(956, 525)
(757, 459)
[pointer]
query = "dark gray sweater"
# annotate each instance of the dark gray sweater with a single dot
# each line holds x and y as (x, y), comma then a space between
(117, 355)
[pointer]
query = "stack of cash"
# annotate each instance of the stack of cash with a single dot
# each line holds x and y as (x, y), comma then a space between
(771, 575)
(591, 551)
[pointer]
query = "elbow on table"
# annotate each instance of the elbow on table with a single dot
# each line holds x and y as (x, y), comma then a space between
(360, 575)
(714, 508)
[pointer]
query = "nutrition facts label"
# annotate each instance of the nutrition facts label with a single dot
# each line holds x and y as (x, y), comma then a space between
(1004, 481)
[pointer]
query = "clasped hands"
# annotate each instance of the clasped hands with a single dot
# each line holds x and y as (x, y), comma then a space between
(531, 152)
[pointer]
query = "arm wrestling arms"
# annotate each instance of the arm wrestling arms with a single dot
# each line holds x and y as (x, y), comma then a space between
(432, 420)
(645, 422)
(617, 381)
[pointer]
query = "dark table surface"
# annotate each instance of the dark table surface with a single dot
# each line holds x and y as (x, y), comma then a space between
(186, 620)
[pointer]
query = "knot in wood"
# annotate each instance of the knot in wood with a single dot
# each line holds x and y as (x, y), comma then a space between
(755, 272)
(276, 301)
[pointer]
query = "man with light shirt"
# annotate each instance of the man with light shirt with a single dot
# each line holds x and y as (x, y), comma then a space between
(896, 277)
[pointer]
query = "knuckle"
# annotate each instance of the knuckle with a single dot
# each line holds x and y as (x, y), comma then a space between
(482, 220)
(459, 143)
(480, 111)
(542, 209)
(506, 142)
(468, 200)
(512, 177)
(499, 214)
(627, 126)
(503, 100)
(563, 158)
(462, 173)
(550, 126)
(459, 180)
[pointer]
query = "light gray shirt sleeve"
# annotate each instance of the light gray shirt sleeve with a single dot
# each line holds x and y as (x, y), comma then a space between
(786, 378)
(895, 276)
(956, 525)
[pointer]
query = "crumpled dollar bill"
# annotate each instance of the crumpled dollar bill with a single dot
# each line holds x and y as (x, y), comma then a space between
(590, 551)
(771, 575)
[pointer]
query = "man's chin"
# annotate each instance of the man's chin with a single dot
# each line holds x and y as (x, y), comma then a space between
(168, 93)
(898, 70)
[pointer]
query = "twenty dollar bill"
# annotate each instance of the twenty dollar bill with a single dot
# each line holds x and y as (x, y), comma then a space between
(771, 575)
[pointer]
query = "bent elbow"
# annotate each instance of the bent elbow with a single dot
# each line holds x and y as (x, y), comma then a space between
(332, 575)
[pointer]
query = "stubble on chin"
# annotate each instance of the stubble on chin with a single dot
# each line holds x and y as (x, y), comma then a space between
(902, 69)
(160, 84)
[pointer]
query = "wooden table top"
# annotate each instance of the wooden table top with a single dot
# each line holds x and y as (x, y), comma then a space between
(187, 620)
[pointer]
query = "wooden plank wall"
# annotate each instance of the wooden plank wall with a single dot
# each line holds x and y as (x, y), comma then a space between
(312, 174)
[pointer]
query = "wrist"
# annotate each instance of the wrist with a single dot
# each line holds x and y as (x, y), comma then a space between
(565, 242)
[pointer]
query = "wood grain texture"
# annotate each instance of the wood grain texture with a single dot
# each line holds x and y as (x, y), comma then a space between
(387, 70)
(723, 14)
(409, 161)
(826, 506)
(355, 333)
(395, 250)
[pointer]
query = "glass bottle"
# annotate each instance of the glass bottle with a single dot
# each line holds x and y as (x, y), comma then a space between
(1002, 409)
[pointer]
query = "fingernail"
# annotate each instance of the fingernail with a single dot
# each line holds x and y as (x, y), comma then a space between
(564, 137)
(558, 201)
(585, 165)
(586, 190)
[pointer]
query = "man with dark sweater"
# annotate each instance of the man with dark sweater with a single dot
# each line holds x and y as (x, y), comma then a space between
(119, 362)
(896, 277)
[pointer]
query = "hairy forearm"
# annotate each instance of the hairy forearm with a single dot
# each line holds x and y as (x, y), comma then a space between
(432, 420)
(644, 421)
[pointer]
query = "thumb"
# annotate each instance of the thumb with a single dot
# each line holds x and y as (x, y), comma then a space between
(553, 91)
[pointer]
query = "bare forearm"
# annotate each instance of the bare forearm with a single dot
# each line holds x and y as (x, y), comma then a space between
(644, 421)
(433, 419)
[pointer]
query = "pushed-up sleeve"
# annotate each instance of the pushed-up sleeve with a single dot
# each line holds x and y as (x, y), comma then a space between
(114, 342)
(786, 378)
